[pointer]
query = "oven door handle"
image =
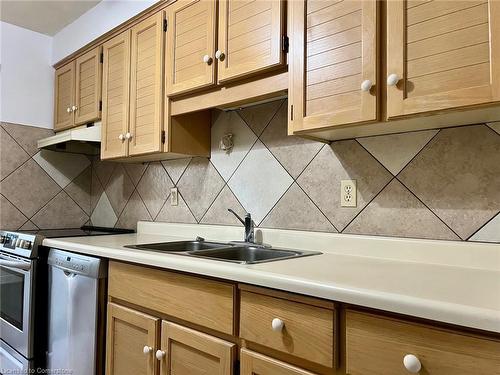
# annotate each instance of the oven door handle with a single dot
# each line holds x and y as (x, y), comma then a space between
(19, 265)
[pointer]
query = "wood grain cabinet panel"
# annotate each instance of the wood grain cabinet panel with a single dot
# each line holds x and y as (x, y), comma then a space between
(442, 54)
(146, 86)
(308, 331)
(115, 96)
(129, 332)
(249, 37)
(190, 37)
(88, 87)
(377, 345)
(333, 50)
(187, 351)
(64, 96)
(252, 363)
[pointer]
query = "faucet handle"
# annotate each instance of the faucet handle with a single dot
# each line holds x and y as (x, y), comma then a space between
(237, 216)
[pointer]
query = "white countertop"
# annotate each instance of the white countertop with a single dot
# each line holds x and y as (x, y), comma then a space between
(457, 283)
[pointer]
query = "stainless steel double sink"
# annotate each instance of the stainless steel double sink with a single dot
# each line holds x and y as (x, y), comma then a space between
(243, 253)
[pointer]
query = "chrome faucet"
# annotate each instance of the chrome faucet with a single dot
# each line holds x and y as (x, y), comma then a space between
(249, 226)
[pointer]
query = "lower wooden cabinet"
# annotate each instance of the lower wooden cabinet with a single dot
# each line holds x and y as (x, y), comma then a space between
(131, 341)
(252, 363)
(187, 351)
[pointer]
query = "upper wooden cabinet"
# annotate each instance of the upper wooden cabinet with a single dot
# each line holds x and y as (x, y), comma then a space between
(190, 45)
(131, 342)
(146, 86)
(78, 91)
(442, 54)
(333, 54)
(115, 96)
(250, 37)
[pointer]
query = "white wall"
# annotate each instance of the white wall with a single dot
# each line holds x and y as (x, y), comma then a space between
(103, 17)
(27, 77)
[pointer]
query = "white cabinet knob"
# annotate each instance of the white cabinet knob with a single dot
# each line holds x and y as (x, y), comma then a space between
(121, 137)
(219, 55)
(393, 79)
(128, 136)
(160, 354)
(412, 363)
(74, 108)
(68, 110)
(207, 59)
(147, 349)
(277, 324)
(366, 85)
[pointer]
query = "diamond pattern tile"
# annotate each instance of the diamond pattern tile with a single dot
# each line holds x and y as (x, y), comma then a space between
(104, 170)
(134, 211)
(396, 150)
(61, 166)
(258, 116)
(218, 214)
(176, 214)
(103, 214)
(29, 226)
(154, 188)
(294, 153)
(457, 176)
(119, 189)
(495, 126)
(12, 155)
(259, 182)
(243, 138)
(61, 212)
(490, 232)
(396, 212)
(296, 211)
(199, 185)
(135, 171)
(95, 190)
(79, 190)
(10, 217)
(175, 168)
(29, 197)
(342, 161)
(27, 136)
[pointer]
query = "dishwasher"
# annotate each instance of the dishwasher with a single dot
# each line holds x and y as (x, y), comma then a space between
(77, 303)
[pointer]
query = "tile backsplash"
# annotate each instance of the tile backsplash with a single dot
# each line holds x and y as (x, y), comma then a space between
(40, 189)
(436, 184)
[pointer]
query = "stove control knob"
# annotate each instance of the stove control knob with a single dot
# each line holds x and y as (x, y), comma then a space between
(2, 239)
(27, 245)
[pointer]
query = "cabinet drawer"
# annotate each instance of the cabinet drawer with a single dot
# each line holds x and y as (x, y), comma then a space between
(307, 333)
(197, 300)
(378, 345)
(254, 363)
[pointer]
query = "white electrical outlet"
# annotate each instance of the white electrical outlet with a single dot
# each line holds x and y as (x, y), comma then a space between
(174, 196)
(348, 193)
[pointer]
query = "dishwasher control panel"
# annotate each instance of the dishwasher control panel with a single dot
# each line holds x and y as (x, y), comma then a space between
(78, 264)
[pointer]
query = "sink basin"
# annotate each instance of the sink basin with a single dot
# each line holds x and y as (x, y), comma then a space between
(179, 246)
(250, 254)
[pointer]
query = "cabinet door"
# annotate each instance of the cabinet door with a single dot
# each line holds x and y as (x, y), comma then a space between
(190, 45)
(442, 54)
(250, 37)
(333, 51)
(115, 96)
(64, 97)
(131, 342)
(252, 363)
(146, 86)
(186, 351)
(88, 87)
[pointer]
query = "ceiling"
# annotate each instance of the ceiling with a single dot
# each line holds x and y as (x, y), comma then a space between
(46, 17)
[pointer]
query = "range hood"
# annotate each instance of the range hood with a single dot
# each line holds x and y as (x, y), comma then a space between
(83, 140)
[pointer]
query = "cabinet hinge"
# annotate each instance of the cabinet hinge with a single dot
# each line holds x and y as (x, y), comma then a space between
(285, 42)
(101, 58)
(163, 136)
(291, 112)
(165, 25)
(100, 105)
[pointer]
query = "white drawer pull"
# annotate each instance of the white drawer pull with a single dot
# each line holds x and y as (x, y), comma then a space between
(366, 85)
(277, 324)
(393, 79)
(147, 349)
(128, 136)
(207, 59)
(121, 137)
(160, 354)
(74, 108)
(412, 363)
